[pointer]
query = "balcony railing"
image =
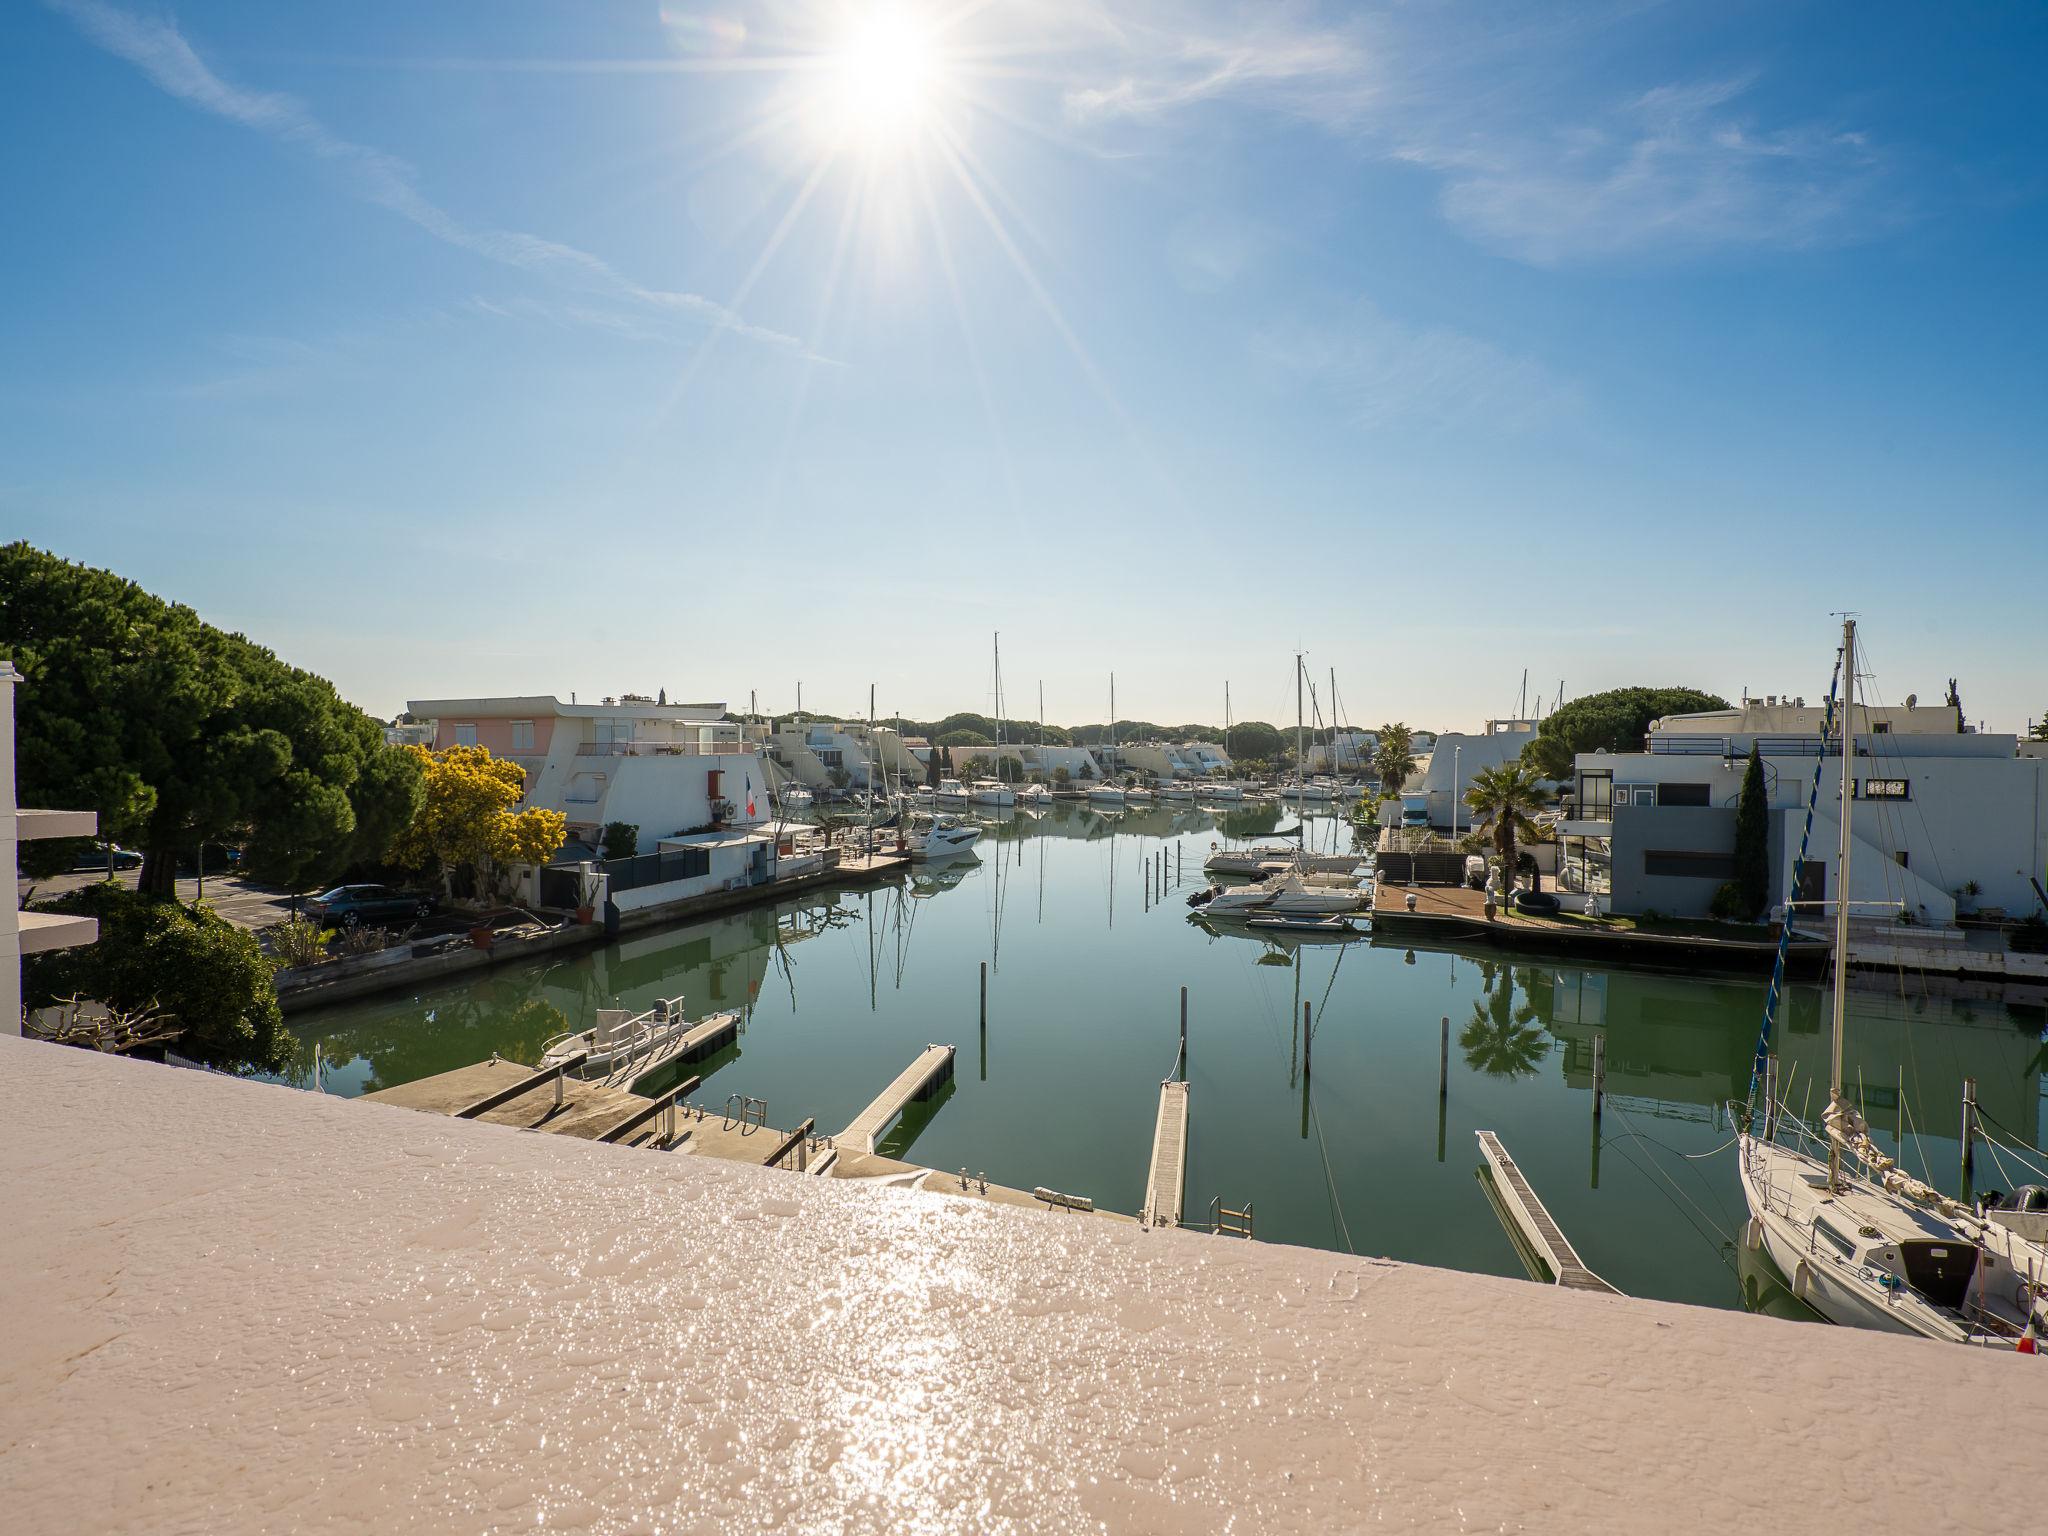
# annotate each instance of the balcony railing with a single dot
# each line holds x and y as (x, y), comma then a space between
(659, 749)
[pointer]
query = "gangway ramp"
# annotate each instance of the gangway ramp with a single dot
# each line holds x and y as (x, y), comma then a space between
(1538, 1228)
(1166, 1183)
(932, 1069)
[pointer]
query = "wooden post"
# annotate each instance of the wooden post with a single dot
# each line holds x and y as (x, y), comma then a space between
(984, 994)
(1183, 1034)
(1969, 1131)
(1599, 1072)
(1443, 1061)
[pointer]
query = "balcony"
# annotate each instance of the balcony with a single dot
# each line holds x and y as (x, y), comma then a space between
(659, 749)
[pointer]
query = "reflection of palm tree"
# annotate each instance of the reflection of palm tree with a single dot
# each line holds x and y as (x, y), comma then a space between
(1501, 1038)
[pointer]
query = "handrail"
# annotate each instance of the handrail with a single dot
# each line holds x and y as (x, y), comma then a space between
(640, 1117)
(526, 1085)
(794, 1140)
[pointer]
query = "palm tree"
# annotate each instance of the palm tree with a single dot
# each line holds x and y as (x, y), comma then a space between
(1508, 794)
(1393, 758)
(1502, 1039)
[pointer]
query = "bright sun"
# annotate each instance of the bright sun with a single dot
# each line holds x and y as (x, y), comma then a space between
(880, 82)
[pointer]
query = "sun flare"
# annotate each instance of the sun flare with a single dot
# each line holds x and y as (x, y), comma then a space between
(881, 80)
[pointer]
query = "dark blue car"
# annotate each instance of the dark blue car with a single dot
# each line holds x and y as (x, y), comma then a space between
(349, 906)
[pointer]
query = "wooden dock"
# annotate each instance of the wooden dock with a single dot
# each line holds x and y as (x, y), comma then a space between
(1539, 1229)
(1166, 1183)
(920, 1080)
(702, 1040)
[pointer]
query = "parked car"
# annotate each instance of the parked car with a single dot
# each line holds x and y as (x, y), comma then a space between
(348, 906)
(101, 856)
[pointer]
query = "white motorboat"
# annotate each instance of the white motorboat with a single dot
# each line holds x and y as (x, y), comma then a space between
(1138, 795)
(793, 797)
(1220, 790)
(950, 792)
(1254, 860)
(991, 792)
(1862, 1242)
(1106, 794)
(1177, 790)
(1314, 792)
(1034, 795)
(1285, 895)
(939, 837)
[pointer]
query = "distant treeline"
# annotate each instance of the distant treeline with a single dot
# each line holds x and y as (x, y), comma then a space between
(1246, 738)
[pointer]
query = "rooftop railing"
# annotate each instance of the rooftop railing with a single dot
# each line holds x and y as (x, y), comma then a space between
(731, 748)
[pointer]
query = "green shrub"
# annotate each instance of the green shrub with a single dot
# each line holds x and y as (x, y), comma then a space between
(1730, 904)
(186, 963)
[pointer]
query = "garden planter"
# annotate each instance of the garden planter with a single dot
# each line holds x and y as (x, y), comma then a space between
(482, 937)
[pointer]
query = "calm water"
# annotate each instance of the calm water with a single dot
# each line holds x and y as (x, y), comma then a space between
(842, 990)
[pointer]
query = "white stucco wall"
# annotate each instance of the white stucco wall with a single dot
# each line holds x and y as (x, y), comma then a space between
(479, 1328)
(1459, 756)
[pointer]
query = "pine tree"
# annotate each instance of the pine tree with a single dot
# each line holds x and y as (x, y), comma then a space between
(1753, 838)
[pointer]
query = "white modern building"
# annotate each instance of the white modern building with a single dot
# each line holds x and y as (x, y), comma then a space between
(667, 769)
(1176, 759)
(824, 754)
(1942, 818)
(1454, 757)
(1345, 752)
(29, 933)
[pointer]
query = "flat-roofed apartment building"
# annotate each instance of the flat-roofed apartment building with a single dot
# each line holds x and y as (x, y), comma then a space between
(665, 768)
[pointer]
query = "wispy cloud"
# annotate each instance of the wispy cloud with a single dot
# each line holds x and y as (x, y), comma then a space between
(161, 53)
(1498, 110)
(1385, 372)
(1320, 74)
(1677, 168)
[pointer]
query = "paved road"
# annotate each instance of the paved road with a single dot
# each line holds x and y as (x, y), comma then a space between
(242, 902)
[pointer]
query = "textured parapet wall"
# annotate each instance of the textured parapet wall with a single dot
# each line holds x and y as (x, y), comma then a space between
(230, 1306)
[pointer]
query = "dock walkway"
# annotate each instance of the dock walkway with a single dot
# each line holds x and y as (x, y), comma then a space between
(1166, 1183)
(919, 1080)
(1538, 1226)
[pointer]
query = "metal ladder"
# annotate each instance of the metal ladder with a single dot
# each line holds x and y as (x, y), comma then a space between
(1225, 1222)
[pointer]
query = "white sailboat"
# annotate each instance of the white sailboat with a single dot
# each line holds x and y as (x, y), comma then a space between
(1108, 791)
(1862, 1242)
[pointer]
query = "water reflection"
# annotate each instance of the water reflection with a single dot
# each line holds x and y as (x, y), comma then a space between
(1079, 920)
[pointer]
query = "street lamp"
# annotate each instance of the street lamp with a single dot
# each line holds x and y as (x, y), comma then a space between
(1455, 781)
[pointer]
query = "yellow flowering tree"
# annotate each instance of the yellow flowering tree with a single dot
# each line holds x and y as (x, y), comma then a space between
(466, 819)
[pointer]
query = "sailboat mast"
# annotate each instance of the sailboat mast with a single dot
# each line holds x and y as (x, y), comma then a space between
(1300, 762)
(1335, 766)
(1842, 884)
(999, 696)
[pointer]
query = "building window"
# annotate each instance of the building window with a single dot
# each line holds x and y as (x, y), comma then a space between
(1688, 865)
(1900, 855)
(465, 735)
(522, 735)
(1684, 794)
(1884, 789)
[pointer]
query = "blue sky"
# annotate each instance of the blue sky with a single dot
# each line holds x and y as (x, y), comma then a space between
(514, 347)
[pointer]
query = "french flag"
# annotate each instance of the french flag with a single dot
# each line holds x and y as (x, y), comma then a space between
(750, 794)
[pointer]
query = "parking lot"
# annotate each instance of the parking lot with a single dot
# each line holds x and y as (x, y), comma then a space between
(242, 902)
